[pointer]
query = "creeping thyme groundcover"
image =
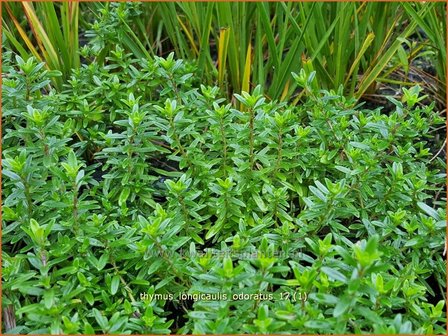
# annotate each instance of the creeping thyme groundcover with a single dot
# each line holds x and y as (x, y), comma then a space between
(138, 200)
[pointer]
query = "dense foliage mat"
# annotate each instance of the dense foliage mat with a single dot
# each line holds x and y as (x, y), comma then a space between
(137, 185)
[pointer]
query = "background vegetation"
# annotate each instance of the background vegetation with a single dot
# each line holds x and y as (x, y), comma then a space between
(362, 46)
(223, 148)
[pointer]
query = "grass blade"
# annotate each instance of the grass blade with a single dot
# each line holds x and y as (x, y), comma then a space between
(222, 54)
(373, 72)
(247, 67)
(22, 33)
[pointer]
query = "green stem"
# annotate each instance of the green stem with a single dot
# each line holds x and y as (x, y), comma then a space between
(75, 207)
(124, 283)
(170, 263)
(251, 138)
(43, 138)
(176, 91)
(224, 144)
(28, 90)
(178, 143)
(184, 212)
(279, 151)
(275, 212)
(29, 201)
(130, 152)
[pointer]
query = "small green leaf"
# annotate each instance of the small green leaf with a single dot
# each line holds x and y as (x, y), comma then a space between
(197, 238)
(343, 169)
(49, 298)
(428, 210)
(342, 306)
(228, 266)
(315, 324)
(88, 330)
(318, 193)
(263, 313)
(285, 315)
(154, 266)
(359, 145)
(334, 274)
(100, 319)
(124, 196)
(102, 262)
(89, 298)
(114, 284)
(213, 231)
(259, 202)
